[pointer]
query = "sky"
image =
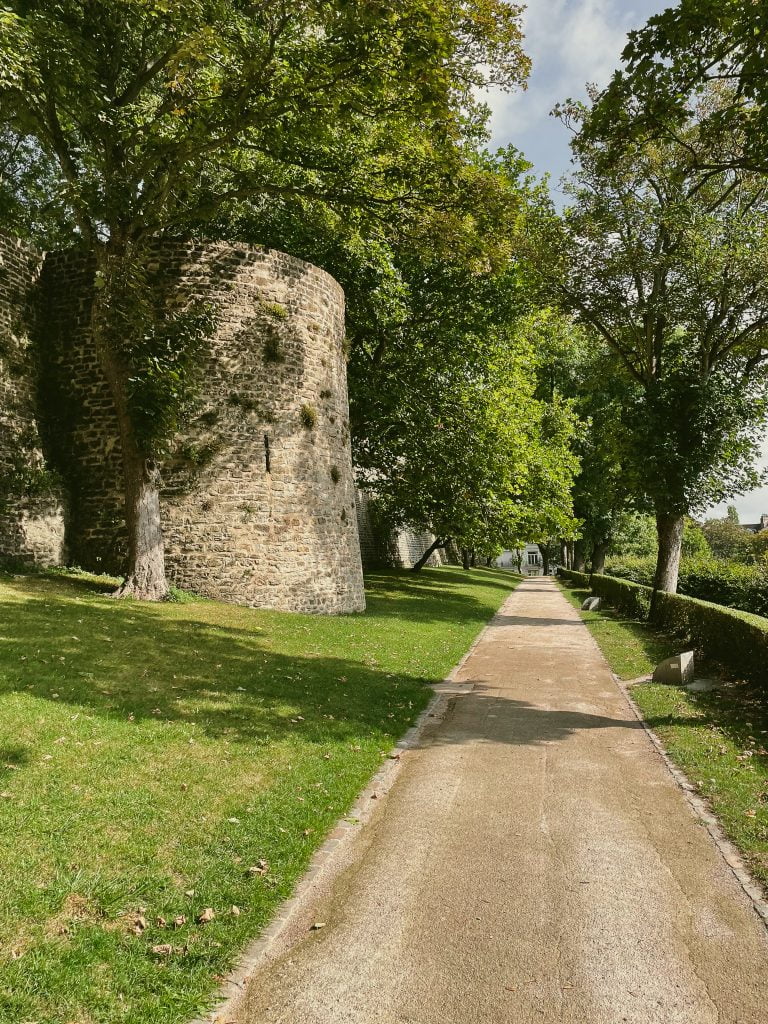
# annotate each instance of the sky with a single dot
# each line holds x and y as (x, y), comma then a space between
(572, 42)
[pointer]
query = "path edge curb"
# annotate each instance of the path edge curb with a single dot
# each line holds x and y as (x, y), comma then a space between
(328, 861)
(702, 810)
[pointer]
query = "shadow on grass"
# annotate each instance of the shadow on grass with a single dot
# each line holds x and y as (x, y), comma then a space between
(738, 710)
(63, 642)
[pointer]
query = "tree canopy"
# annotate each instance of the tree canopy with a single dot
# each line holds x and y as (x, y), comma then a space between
(668, 267)
(672, 68)
(142, 118)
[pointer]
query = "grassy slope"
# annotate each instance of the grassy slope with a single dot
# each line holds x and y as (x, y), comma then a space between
(149, 754)
(720, 738)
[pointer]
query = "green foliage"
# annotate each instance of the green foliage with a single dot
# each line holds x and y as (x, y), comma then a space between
(308, 417)
(710, 579)
(644, 247)
(156, 117)
(627, 597)
(493, 463)
(166, 370)
(275, 309)
(25, 477)
(673, 64)
(150, 113)
(635, 535)
(730, 541)
(735, 639)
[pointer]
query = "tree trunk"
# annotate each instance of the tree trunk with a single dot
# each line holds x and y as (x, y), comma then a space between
(578, 559)
(145, 570)
(473, 558)
(670, 532)
(564, 554)
(145, 574)
(599, 552)
(489, 562)
(434, 546)
(465, 557)
(545, 560)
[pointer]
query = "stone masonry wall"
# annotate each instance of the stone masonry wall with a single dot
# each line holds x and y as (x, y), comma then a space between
(381, 546)
(31, 513)
(258, 496)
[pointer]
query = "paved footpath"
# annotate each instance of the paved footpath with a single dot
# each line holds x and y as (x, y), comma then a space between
(535, 862)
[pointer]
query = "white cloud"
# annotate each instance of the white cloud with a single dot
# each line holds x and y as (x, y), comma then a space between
(571, 43)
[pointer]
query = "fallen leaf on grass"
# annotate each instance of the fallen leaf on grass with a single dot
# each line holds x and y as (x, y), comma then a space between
(206, 915)
(163, 949)
(261, 867)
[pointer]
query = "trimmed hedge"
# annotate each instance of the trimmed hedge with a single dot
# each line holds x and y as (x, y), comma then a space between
(630, 599)
(716, 580)
(734, 639)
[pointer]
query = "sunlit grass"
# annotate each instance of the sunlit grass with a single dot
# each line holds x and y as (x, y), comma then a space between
(151, 754)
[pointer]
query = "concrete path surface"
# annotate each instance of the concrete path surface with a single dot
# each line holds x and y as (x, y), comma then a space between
(535, 862)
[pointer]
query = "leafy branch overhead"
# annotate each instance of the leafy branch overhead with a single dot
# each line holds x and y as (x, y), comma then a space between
(157, 111)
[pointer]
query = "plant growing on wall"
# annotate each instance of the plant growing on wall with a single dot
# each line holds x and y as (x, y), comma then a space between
(152, 115)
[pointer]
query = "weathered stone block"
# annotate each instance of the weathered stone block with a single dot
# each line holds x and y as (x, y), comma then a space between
(675, 671)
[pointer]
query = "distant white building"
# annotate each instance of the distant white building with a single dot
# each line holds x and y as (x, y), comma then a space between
(528, 559)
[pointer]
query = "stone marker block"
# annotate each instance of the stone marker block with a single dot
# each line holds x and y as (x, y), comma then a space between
(592, 604)
(675, 671)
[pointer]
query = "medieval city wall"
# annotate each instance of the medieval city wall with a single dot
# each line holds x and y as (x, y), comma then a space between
(258, 493)
(31, 512)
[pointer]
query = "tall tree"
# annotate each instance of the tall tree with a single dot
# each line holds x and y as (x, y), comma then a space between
(494, 464)
(669, 267)
(152, 115)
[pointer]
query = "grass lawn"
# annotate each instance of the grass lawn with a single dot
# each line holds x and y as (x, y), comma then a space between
(151, 754)
(719, 739)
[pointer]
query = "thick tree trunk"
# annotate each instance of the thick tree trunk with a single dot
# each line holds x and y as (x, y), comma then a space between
(473, 558)
(145, 570)
(599, 552)
(564, 554)
(670, 532)
(489, 562)
(145, 575)
(434, 546)
(465, 558)
(545, 561)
